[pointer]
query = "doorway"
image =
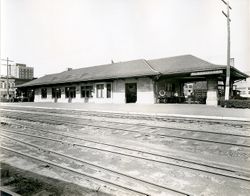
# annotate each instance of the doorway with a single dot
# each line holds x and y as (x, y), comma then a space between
(131, 92)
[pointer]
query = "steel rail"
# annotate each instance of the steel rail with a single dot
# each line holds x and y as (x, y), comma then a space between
(120, 147)
(126, 148)
(164, 162)
(72, 170)
(122, 129)
(116, 146)
(151, 126)
(96, 165)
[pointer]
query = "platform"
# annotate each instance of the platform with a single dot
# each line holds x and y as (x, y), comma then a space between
(175, 110)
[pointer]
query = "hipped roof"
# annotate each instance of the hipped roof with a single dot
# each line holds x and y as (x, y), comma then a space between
(135, 68)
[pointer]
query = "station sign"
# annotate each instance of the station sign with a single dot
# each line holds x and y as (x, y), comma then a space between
(206, 73)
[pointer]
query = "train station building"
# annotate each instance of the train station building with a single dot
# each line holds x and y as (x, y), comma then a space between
(139, 81)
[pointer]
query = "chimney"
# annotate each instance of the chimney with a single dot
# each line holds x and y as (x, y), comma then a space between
(69, 69)
(232, 62)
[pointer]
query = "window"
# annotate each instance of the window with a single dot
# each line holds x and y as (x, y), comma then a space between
(12, 84)
(56, 93)
(67, 92)
(99, 90)
(109, 90)
(44, 93)
(3, 84)
(70, 92)
(249, 92)
(87, 91)
(53, 92)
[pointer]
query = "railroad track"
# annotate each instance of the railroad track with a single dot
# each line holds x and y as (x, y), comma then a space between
(104, 144)
(35, 113)
(90, 114)
(127, 115)
(31, 135)
(128, 180)
(183, 134)
(138, 154)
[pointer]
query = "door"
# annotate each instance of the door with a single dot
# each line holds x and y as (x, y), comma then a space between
(131, 92)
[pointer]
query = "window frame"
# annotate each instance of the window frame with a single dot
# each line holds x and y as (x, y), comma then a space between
(102, 90)
(109, 91)
(85, 88)
(67, 92)
(57, 91)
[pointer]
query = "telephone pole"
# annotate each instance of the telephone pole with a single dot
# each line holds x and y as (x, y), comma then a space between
(227, 90)
(7, 77)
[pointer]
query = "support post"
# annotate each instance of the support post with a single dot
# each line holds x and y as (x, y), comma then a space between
(212, 92)
(227, 90)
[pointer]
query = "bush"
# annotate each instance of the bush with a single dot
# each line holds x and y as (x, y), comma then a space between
(235, 103)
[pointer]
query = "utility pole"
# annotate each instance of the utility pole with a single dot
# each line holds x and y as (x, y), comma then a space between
(7, 77)
(227, 90)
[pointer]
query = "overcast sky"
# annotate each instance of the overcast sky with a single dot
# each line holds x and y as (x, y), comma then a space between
(51, 35)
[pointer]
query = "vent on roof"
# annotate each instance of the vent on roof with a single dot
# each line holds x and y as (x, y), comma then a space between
(69, 69)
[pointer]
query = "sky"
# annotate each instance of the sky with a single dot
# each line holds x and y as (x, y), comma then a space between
(52, 35)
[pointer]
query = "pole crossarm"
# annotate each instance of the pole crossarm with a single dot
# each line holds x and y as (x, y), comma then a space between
(226, 15)
(7, 60)
(226, 4)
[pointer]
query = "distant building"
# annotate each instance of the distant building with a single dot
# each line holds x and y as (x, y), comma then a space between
(3, 88)
(13, 82)
(197, 90)
(21, 71)
(17, 74)
(243, 87)
(188, 89)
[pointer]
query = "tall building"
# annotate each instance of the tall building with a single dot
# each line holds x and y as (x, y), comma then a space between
(17, 74)
(21, 71)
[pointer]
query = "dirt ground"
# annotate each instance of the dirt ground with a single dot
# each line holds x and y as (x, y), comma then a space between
(28, 183)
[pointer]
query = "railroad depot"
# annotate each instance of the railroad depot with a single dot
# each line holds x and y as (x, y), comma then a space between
(138, 81)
